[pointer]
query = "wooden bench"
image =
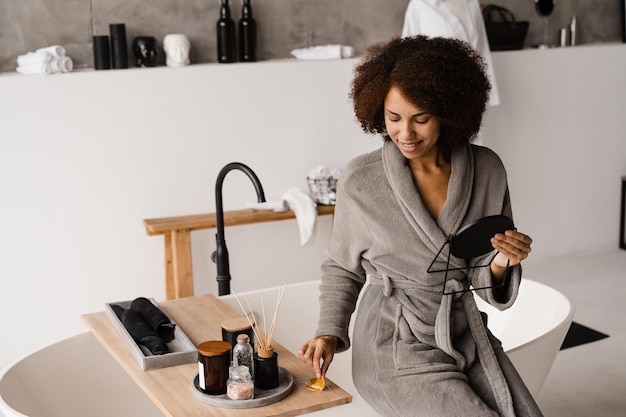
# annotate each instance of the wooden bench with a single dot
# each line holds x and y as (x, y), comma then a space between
(177, 234)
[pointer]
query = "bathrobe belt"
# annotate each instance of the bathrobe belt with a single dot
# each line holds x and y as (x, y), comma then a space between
(443, 332)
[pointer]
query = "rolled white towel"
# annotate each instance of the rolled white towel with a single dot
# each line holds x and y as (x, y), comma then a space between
(56, 50)
(335, 173)
(32, 69)
(34, 58)
(324, 52)
(320, 172)
(62, 65)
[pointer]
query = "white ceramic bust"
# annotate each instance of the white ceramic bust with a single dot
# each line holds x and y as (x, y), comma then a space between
(176, 47)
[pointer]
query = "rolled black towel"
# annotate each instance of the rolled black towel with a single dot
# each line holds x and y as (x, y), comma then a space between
(141, 333)
(155, 318)
(118, 310)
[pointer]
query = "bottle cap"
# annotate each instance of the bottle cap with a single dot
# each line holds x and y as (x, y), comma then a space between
(243, 338)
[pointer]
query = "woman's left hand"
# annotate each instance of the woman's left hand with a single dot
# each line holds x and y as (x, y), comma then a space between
(512, 246)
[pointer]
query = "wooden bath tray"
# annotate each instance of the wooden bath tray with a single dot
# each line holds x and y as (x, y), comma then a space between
(169, 388)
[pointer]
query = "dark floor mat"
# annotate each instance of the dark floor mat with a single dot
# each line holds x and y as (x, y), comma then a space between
(579, 335)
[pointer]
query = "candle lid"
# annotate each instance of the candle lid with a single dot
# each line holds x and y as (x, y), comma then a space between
(236, 325)
(214, 348)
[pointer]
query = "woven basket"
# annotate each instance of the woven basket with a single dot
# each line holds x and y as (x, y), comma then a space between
(503, 31)
(323, 190)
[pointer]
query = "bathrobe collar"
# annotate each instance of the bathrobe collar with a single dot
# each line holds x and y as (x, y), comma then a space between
(434, 232)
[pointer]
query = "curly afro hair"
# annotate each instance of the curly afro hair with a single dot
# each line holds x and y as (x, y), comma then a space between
(444, 77)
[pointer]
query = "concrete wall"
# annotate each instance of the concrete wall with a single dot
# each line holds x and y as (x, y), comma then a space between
(85, 157)
(283, 25)
(598, 21)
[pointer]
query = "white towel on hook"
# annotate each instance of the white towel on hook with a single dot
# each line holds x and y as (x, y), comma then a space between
(306, 212)
(460, 19)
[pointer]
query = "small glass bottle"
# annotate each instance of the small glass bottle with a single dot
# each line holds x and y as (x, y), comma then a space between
(243, 354)
(247, 34)
(226, 47)
(240, 385)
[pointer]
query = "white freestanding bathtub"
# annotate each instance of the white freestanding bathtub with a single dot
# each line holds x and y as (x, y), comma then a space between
(76, 377)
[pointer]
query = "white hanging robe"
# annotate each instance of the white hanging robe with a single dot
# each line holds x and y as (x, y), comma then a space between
(459, 19)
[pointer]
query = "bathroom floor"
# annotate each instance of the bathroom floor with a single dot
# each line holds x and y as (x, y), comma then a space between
(590, 379)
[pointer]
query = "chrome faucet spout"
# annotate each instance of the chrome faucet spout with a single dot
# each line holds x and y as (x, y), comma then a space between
(220, 256)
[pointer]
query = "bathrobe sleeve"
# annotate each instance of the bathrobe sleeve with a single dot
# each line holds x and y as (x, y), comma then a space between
(343, 274)
(490, 172)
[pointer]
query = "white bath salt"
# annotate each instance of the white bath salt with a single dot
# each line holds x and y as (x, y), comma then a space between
(240, 390)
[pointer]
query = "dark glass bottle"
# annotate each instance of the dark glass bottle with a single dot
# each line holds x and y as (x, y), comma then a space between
(226, 47)
(247, 34)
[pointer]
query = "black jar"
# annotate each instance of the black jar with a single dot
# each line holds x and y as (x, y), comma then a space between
(232, 328)
(266, 369)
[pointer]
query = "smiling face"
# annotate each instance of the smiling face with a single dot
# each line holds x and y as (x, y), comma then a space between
(414, 131)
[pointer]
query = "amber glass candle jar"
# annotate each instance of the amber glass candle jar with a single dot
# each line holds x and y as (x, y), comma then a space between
(213, 364)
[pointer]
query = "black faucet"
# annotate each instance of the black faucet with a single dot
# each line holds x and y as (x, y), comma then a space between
(220, 256)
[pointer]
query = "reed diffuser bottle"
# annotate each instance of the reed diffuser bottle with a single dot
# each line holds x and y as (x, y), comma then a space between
(247, 34)
(226, 47)
(266, 370)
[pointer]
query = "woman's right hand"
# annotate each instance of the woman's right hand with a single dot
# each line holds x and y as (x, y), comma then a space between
(318, 353)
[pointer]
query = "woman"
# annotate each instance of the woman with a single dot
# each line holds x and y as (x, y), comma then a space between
(417, 352)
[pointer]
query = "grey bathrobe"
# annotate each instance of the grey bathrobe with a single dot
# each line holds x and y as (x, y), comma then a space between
(417, 352)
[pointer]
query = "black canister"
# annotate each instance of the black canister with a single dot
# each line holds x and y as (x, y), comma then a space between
(231, 328)
(119, 46)
(101, 52)
(266, 369)
(213, 364)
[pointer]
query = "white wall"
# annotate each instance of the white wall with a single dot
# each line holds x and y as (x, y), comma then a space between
(561, 131)
(85, 157)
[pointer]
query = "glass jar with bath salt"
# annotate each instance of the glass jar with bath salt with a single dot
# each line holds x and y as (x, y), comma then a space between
(243, 354)
(240, 385)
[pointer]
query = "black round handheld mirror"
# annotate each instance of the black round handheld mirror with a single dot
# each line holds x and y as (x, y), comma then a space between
(475, 239)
